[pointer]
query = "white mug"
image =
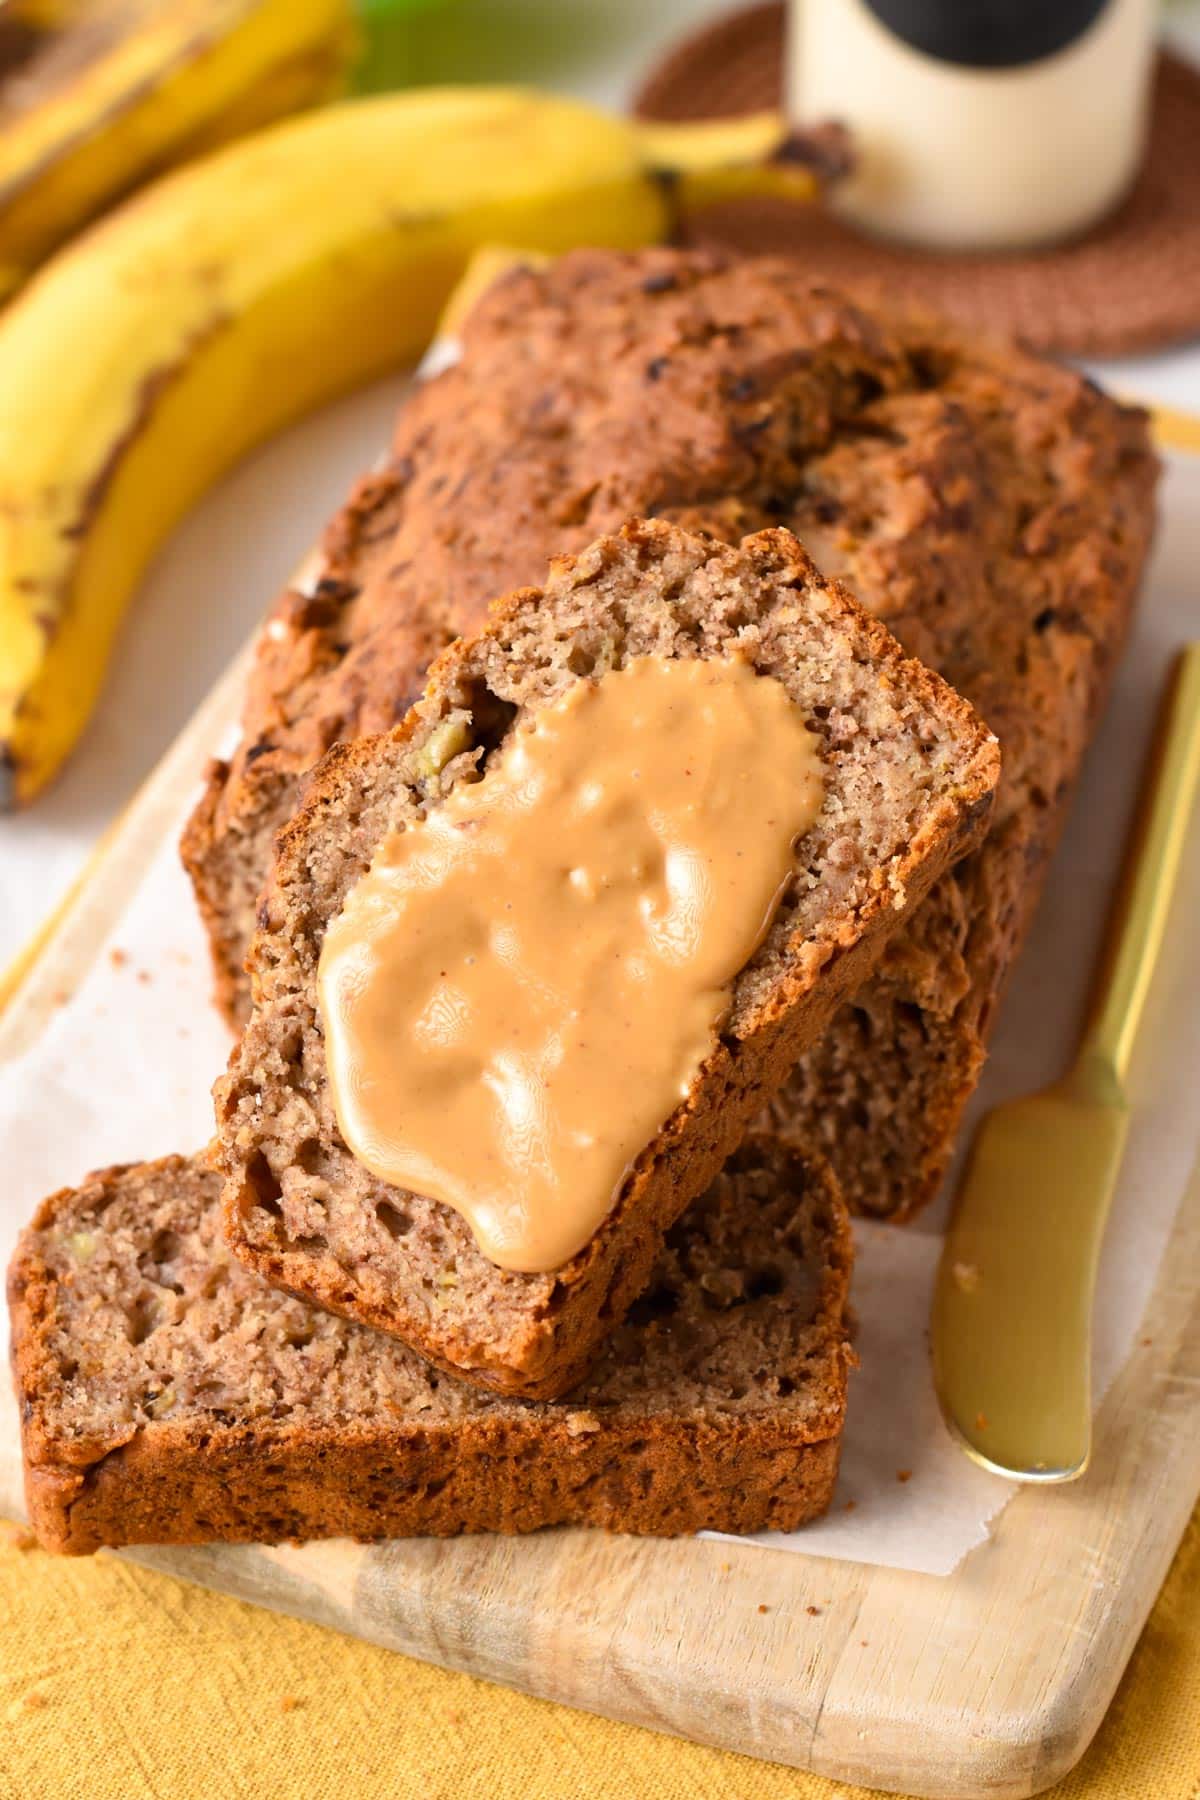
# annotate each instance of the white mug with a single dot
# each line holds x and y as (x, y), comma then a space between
(978, 124)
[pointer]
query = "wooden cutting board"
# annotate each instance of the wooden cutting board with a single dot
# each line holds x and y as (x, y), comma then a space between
(992, 1680)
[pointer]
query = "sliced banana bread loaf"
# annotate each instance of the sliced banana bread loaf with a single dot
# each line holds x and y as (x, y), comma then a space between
(169, 1396)
(908, 776)
(992, 508)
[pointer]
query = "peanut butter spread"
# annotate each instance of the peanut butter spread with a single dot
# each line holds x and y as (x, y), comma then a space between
(524, 985)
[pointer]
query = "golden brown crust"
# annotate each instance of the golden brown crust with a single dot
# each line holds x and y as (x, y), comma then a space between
(910, 775)
(680, 1429)
(658, 1479)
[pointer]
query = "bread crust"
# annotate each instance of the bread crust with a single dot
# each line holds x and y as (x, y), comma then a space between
(298, 1208)
(656, 1464)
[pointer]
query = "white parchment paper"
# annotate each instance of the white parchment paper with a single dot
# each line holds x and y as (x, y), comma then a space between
(124, 1070)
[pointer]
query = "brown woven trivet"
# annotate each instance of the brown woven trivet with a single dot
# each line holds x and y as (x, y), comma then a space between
(1131, 284)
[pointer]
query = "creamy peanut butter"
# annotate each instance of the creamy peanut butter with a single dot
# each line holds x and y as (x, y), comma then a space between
(523, 987)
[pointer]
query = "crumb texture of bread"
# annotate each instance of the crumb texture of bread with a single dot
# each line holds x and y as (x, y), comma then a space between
(909, 774)
(169, 1396)
(993, 509)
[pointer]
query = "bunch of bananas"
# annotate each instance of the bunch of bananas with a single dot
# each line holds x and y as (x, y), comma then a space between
(232, 295)
(97, 95)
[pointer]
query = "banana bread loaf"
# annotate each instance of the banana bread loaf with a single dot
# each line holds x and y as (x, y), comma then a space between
(908, 776)
(993, 509)
(169, 1396)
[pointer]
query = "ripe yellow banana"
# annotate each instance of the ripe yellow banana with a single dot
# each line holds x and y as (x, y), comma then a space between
(239, 292)
(109, 92)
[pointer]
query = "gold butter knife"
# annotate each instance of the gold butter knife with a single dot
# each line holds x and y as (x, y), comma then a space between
(1012, 1311)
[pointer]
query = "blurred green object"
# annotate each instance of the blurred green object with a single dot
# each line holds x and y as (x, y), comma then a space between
(570, 44)
(390, 53)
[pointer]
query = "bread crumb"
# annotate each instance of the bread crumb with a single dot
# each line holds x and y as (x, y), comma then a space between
(903, 1474)
(35, 1700)
(842, 853)
(579, 1423)
(981, 1421)
(850, 1506)
(725, 1567)
(19, 1537)
(118, 957)
(289, 1703)
(145, 977)
(966, 1277)
(763, 1609)
(814, 1612)
(455, 1717)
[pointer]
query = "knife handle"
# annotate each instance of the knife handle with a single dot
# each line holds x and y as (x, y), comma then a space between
(1148, 879)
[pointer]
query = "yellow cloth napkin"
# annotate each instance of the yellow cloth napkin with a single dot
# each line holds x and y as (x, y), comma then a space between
(119, 1684)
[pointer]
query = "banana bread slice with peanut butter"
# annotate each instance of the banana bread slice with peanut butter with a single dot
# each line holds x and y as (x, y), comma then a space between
(169, 1396)
(907, 777)
(992, 508)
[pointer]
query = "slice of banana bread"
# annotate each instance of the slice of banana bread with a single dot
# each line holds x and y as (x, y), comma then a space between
(992, 508)
(169, 1396)
(908, 772)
